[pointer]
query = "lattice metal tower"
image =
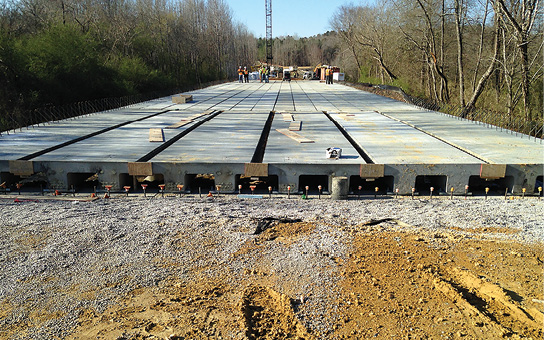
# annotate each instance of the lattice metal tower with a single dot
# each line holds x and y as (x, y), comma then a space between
(269, 41)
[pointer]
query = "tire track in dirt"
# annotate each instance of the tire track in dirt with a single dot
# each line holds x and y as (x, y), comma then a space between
(398, 281)
(432, 285)
(269, 315)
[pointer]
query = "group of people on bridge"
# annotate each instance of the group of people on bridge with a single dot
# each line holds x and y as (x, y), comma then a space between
(243, 74)
(264, 73)
(329, 72)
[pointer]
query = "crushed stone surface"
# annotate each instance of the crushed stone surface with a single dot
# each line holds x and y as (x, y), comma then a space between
(60, 258)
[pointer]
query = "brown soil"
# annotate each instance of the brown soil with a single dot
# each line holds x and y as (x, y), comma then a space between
(394, 285)
(405, 286)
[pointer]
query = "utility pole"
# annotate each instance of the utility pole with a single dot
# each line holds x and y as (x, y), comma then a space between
(269, 41)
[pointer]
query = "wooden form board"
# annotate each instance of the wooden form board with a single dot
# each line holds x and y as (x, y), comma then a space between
(287, 117)
(182, 99)
(140, 169)
(372, 170)
(198, 115)
(186, 121)
(295, 126)
(493, 171)
(256, 170)
(295, 136)
(156, 135)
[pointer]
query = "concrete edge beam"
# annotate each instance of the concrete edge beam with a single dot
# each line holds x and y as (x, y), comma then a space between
(403, 176)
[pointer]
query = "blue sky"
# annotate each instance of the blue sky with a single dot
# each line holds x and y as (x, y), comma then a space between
(289, 17)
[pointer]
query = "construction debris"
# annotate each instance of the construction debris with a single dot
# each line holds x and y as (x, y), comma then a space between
(182, 99)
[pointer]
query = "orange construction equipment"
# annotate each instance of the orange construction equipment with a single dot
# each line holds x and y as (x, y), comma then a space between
(321, 70)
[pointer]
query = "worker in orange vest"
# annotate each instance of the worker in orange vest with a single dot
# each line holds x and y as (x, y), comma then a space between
(246, 75)
(240, 75)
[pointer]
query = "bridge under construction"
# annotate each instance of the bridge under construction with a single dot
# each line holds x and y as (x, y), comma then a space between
(292, 136)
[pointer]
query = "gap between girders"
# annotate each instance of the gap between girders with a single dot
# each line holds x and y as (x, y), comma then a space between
(350, 139)
(177, 137)
(79, 139)
(258, 155)
(96, 133)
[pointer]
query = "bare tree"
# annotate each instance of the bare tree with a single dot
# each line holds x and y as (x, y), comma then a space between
(417, 23)
(430, 50)
(521, 16)
(345, 22)
(492, 64)
(365, 28)
(459, 6)
(483, 24)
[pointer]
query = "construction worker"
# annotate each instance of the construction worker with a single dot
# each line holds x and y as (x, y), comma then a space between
(246, 75)
(266, 74)
(327, 75)
(240, 75)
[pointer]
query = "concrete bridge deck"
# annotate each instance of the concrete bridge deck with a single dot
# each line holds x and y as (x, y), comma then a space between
(273, 134)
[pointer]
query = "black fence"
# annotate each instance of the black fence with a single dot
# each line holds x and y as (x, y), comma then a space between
(19, 119)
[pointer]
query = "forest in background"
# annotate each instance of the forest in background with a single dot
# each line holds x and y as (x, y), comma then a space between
(54, 52)
(306, 51)
(465, 53)
(486, 53)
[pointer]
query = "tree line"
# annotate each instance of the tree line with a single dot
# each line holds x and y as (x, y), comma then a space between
(473, 53)
(306, 51)
(469, 52)
(59, 51)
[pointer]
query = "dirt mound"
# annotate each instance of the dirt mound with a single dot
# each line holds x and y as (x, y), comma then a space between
(285, 233)
(199, 310)
(268, 314)
(400, 285)
(403, 285)
(489, 306)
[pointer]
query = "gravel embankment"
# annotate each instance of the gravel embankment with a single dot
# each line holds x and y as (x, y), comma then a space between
(53, 254)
